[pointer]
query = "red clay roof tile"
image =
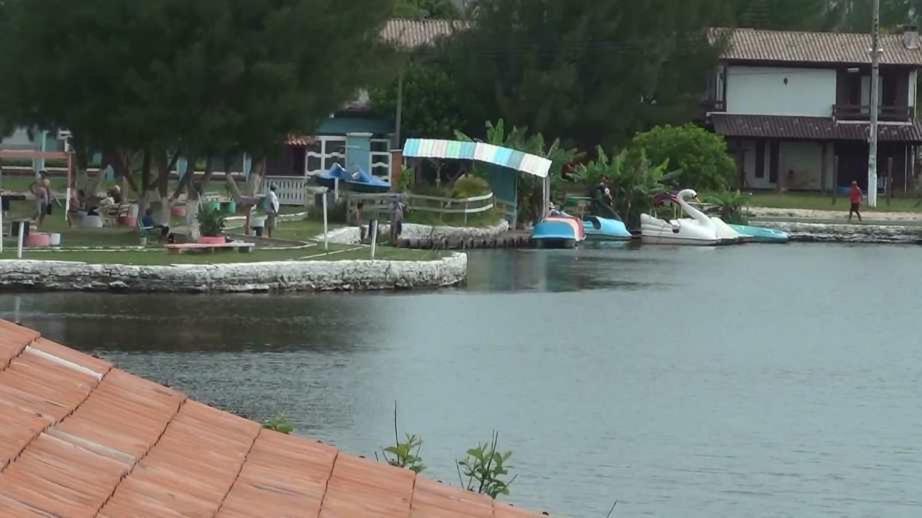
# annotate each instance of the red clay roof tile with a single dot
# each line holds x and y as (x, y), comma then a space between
(60, 478)
(360, 487)
(78, 438)
(283, 476)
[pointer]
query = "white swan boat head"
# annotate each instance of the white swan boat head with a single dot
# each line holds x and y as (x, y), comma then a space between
(697, 229)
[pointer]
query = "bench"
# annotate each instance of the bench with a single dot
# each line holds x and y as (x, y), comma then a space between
(240, 246)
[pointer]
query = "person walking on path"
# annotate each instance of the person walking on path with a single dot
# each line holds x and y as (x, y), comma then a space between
(396, 221)
(854, 196)
(272, 211)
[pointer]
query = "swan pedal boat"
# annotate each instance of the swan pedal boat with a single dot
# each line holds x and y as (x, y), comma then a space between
(558, 231)
(697, 229)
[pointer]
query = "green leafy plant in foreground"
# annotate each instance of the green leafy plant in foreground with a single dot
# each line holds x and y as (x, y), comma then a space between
(405, 454)
(484, 469)
(279, 423)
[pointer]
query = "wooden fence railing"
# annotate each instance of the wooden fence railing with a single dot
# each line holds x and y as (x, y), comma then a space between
(383, 203)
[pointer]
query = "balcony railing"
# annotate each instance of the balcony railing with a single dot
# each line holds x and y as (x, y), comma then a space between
(855, 112)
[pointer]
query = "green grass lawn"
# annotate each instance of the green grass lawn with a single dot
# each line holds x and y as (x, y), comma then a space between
(815, 201)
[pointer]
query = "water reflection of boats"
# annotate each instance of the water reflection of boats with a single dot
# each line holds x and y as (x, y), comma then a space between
(697, 229)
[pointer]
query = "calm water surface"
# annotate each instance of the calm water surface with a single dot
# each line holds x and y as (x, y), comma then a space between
(746, 381)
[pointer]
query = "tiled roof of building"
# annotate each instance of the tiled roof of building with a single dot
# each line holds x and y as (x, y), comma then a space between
(808, 128)
(414, 34)
(752, 45)
(79, 437)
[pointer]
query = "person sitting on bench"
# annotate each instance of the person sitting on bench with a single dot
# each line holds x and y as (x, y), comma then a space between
(148, 223)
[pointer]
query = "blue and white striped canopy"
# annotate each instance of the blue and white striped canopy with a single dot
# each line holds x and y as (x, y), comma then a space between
(459, 150)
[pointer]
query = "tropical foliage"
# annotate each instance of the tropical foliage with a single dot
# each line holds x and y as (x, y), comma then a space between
(730, 206)
(699, 156)
(633, 178)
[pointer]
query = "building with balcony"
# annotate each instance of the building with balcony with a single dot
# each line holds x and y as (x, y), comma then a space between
(795, 107)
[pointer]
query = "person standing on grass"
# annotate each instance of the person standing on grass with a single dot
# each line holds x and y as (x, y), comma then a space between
(357, 219)
(396, 221)
(854, 196)
(41, 193)
(272, 211)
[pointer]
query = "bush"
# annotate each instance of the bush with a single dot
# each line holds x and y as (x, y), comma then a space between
(699, 156)
(730, 206)
(279, 423)
(470, 186)
(210, 219)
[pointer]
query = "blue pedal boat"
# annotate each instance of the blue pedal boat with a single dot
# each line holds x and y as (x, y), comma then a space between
(605, 229)
(761, 234)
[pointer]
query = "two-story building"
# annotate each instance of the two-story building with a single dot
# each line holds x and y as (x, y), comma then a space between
(795, 107)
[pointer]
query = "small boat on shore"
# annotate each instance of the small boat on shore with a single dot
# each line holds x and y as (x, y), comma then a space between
(328, 178)
(558, 231)
(605, 229)
(761, 234)
(358, 181)
(698, 229)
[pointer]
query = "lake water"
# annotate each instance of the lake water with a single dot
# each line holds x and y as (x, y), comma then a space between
(744, 381)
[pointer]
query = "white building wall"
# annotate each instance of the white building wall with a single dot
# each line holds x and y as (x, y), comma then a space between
(781, 91)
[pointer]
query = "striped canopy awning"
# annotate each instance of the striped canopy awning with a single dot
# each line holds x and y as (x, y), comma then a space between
(459, 150)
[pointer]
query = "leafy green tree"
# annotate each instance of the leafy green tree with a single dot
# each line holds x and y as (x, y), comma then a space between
(586, 71)
(432, 106)
(425, 9)
(147, 81)
(699, 156)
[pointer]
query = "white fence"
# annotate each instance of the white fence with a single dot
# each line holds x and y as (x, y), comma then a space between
(291, 190)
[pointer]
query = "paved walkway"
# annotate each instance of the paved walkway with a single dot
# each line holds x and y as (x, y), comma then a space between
(837, 216)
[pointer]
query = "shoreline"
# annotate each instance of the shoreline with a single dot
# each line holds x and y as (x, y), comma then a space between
(287, 276)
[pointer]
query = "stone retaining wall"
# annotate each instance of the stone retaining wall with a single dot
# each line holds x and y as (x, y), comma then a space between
(351, 235)
(838, 233)
(234, 278)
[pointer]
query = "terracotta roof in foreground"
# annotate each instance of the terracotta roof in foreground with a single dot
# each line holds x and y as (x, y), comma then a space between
(753, 45)
(808, 128)
(79, 437)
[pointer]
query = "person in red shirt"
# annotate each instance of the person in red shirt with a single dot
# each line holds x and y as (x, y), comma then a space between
(854, 196)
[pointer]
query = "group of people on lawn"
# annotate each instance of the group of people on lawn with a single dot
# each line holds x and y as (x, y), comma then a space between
(398, 210)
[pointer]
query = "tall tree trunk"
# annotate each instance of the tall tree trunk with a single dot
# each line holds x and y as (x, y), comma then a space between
(186, 180)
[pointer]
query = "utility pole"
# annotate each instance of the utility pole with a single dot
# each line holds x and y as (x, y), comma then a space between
(875, 101)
